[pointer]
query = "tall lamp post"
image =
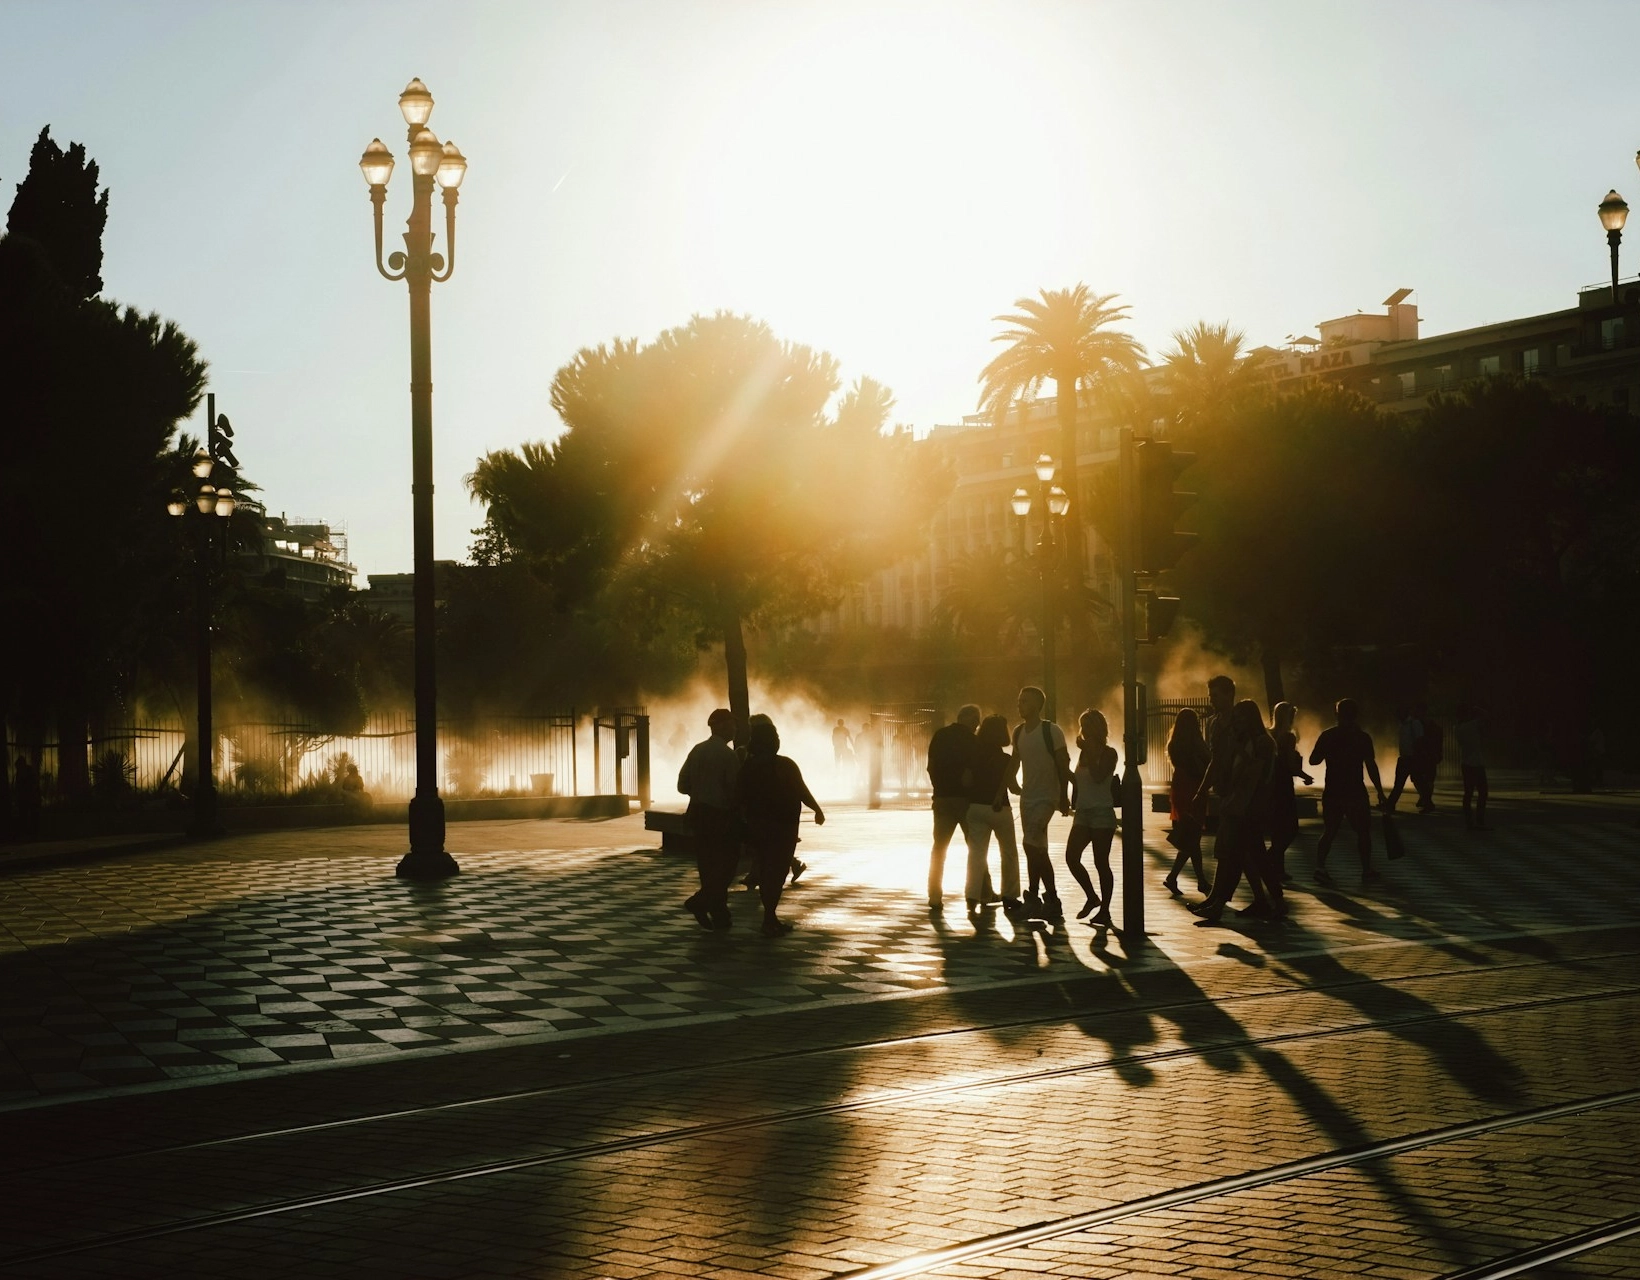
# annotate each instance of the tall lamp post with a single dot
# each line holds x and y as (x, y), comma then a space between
(419, 267)
(214, 460)
(1614, 212)
(1055, 503)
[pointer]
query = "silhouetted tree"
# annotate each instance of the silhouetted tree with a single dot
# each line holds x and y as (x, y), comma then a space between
(1067, 337)
(702, 475)
(1208, 374)
(59, 208)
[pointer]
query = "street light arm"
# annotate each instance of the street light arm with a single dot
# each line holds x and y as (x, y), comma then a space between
(378, 199)
(450, 197)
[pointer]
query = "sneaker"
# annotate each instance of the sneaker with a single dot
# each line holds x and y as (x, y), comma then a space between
(696, 908)
(1052, 910)
(1012, 908)
(798, 868)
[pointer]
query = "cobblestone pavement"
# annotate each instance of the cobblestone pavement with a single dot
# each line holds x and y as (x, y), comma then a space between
(906, 1085)
(296, 948)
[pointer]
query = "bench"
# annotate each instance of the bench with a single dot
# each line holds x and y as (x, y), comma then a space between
(676, 834)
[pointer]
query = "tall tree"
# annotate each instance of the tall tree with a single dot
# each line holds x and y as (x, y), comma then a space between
(1208, 374)
(59, 208)
(703, 471)
(1067, 337)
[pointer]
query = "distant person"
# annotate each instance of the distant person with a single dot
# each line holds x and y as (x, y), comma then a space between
(353, 793)
(1283, 810)
(1043, 781)
(1243, 818)
(842, 747)
(1221, 747)
(1472, 760)
(1093, 821)
(1187, 752)
(989, 813)
(1406, 762)
(708, 779)
(1427, 759)
(1346, 749)
(26, 797)
(769, 798)
(949, 752)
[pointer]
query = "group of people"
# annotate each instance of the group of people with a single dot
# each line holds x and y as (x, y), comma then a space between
(1232, 775)
(753, 801)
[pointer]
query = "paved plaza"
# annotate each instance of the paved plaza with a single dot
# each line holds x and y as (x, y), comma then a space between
(543, 1067)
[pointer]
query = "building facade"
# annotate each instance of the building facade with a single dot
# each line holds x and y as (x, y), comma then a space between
(305, 556)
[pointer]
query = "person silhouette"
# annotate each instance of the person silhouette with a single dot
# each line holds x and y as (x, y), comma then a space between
(769, 797)
(1044, 774)
(1243, 816)
(949, 752)
(708, 779)
(1346, 749)
(1472, 760)
(1093, 821)
(1283, 809)
(989, 813)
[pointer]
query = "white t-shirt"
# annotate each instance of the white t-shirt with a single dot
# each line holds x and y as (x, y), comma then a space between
(1038, 773)
(1094, 807)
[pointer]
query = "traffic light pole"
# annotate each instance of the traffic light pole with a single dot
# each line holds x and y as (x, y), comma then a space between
(1133, 732)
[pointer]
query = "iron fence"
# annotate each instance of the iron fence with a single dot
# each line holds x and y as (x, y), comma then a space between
(284, 759)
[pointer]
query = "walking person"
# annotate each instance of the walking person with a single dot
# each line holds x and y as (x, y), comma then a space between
(1472, 760)
(989, 813)
(950, 751)
(1243, 816)
(1093, 823)
(1427, 759)
(1406, 761)
(1043, 781)
(708, 779)
(1221, 696)
(1187, 752)
(769, 797)
(1346, 749)
(1283, 809)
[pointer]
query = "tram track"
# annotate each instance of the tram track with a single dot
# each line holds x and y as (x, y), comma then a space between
(888, 1098)
(1039, 1233)
(1059, 1016)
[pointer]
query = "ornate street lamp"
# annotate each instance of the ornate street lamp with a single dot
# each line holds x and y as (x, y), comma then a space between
(215, 458)
(1614, 212)
(419, 267)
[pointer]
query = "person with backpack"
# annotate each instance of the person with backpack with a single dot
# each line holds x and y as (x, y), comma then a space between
(1042, 781)
(1283, 810)
(1093, 823)
(949, 752)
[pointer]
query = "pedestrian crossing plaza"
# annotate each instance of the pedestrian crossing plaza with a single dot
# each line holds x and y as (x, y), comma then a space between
(282, 951)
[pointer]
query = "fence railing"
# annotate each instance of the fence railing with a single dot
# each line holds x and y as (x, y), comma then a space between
(281, 759)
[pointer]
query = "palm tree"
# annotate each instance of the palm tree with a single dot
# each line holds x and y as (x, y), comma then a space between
(1065, 336)
(1209, 371)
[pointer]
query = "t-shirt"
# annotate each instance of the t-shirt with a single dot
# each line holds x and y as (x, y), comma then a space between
(1039, 779)
(1345, 751)
(769, 793)
(1094, 808)
(1221, 747)
(989, 766)
(708, 774)
(949, 752)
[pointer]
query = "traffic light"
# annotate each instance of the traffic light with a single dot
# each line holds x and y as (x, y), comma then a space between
(1159, 612)
(1160, 544)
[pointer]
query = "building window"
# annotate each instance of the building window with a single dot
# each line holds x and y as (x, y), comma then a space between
(1409, 384)
(1489, 366)
(1611, 333)
(1563, 354)
(1007, 461)
(1443, 377)
(1529, 362)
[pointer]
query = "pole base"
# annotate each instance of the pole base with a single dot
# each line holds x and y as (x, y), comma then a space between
(427, 859)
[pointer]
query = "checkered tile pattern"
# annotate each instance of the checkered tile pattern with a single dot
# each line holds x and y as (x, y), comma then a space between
(196, 963)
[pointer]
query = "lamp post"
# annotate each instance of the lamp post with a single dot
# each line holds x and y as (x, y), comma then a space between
(1055, 503)
(419, 267)
(1614, 212)
(209, 503)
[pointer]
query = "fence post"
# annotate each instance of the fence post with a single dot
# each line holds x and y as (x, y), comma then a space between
(597, 753)
(574, 752)
(643, 762)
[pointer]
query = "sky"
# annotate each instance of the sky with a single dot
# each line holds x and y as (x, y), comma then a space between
(879, 180)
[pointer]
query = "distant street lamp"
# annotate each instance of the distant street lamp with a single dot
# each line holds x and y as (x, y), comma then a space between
(1055, 503)
(210, 502)
(1614, 212)
(420, 267)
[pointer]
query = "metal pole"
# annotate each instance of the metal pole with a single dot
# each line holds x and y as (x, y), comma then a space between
(1133, 836)
(1044, 553)
(427, 857)
(205, 819)
(1614, 238)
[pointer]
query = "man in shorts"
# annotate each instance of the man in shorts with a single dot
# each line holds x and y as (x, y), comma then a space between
(1043, 780)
